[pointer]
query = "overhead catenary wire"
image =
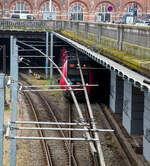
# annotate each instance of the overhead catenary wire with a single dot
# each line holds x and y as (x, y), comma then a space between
(99, 148)
(93, 150)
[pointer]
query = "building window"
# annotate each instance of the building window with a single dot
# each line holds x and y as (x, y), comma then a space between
(49, 13)
(131, 8)
(104, 14)
(20, 7)
(77, 13)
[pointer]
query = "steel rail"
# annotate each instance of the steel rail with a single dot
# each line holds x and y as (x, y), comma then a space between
(125, 148)
(61, 132)
(70, 134)
(45, 146)
(71, 151)
(64, 139)
(95, 158)
(58, 125)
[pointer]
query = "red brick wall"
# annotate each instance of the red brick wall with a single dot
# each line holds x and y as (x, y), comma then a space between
(90, 7)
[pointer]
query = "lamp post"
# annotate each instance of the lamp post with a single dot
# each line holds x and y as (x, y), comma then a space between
(68, 9)
(77, 11)
(119, 8)
(50, 6)
(135, 6)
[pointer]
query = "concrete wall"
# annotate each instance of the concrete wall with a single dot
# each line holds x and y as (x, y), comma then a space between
(133, 109)
(116, 93)
(146, 137)
(131, 39)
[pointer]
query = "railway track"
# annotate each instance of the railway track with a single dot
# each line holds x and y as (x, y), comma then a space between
(72, 160)
(44, 145)
(73, 151)
(124, 148)
(80, 148)
(104, 119)
(47, 145)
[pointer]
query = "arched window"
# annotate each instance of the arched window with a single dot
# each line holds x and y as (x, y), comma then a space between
(20, 7)
(132, 7)
(132, 13)
(49, 13)
(77, 13)
(104, 14)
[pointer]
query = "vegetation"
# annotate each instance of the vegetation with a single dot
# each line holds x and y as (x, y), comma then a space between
(107, 47)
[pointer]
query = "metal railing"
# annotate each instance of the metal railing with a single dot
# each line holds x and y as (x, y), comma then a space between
(18, 24)
(117, 36)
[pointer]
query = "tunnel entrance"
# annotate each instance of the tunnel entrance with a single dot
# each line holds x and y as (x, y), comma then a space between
(101, 76)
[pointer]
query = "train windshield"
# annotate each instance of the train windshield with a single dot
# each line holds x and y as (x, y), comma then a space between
(74, 73)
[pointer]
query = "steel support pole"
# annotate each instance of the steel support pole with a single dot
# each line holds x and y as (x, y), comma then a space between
(46, 62)
(14, 99)
(11, 65)
(52, 138)
(93, 150)
(50, 123)
(51, 57)
(4, 65)
(68, 9)
(61, 129)
(4, 59)
(1, 116)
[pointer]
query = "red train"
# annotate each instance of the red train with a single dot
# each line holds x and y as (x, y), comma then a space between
(63, 57)
(72, 74)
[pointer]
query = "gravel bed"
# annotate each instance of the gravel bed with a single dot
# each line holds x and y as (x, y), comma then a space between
(32, 154)
(111, 154)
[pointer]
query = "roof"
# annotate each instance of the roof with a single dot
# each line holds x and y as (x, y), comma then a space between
(137, 79)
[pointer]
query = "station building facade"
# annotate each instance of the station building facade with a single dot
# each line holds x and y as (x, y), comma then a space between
(83, 10)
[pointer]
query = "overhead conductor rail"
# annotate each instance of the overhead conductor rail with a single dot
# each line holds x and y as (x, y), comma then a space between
(133, 77)
(10, 128)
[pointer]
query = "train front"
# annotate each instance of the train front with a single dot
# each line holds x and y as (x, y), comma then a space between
(72, 74)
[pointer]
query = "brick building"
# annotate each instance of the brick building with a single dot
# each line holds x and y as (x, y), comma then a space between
(92, 10)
